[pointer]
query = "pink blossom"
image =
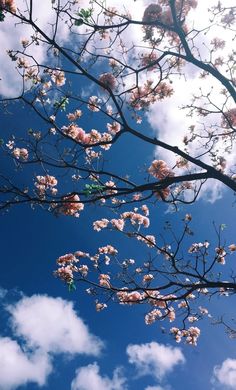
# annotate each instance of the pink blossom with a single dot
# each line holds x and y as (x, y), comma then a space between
(118, 224)
(20, 153)
(94, 104)
(68, 258)
(192, 319)
(100, 224)
(171, 314)
(148, 278)
(137, 196)
(76, 133)
(160, 170)
(106, 137)
(58, 77)
(145, 210)
(113, 128)
(232, 247)
(129, 297)
(71, 206)
(108, 250)
(64, 273)
(8, 4)
(104, 280)
(147, 59)
(100, 306)
(229, 119)
(75, 115)
(108, 80)
(83, 269)
(152, 316)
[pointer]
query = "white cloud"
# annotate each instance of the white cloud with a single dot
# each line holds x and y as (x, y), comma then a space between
(52, 325)
(12, 32)
(45, 326)
(225, 374)
(154, 359)
(18, 367)
(155, 388)
(89, 378)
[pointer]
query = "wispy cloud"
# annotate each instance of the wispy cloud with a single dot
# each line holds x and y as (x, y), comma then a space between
(19, 367)
(42, 327)
(69, 335)
(89, 378)
(225, 374)
(154, 359)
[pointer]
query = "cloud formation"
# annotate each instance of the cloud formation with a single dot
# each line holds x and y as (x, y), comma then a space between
(19, 367)
(10, 80)
(225, 374)
(56, 328)
(154, 359)
(44, 326)
(89, 378)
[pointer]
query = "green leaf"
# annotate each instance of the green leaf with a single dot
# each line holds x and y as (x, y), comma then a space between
(2, 16)
(61, 104)
(79, 22)
(71, 286)
(223, 226)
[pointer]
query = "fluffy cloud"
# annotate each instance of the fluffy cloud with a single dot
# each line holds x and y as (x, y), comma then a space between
(19, 368)
(45, 326)
(10, 80)
(89, 378)
(3, 292)
(155, 388)
(56, 328)
(225, 374)
(154, 359)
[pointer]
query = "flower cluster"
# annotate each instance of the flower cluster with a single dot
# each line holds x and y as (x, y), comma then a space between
(8, 5)
(160, 170)
(100, 224)
(104, 280)
(58, 77)
(44, 183)
(93, 137)
(132, 297)
(108, 80)
(142, 97)
(148, 59)
(113, 128)
(190, 334)
(152, 316)
(196, 247)
(20, 153)
(136, 218)
(149, 240)
(68, 264)
(108, 250)
(74, 115)
(94, 104)
(220, 253)
(71, 205)
(229, 119)
(76, 133)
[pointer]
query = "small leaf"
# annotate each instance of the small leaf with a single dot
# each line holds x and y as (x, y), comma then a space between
(223, 226)
(79, 22)
(71, 286)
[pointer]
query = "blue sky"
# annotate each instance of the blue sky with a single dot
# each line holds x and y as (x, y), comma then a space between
(30, 242)
(51, 338)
